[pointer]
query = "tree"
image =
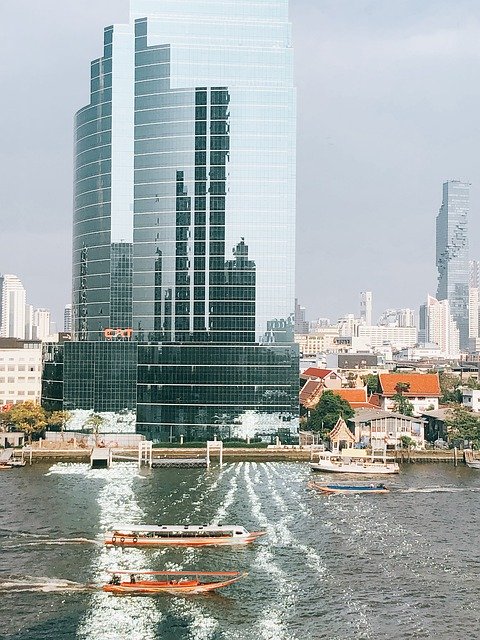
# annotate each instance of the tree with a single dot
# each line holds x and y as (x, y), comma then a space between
(407, 442)
(58, 419)
(462, 424)
(94, 422)
(371, 380)
(449, 386)
(328, 410)
(28, 417)
(400, 403)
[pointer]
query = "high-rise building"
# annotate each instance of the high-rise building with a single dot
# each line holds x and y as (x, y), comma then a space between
(474, 279)
(437, 326)
(183, 249)
(41, 324)
(366, 307)
(12, 307)
(67, 318)
(301, 323)
(452, 253)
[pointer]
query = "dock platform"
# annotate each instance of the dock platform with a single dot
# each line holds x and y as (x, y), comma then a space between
(100, 458)
(183, 463)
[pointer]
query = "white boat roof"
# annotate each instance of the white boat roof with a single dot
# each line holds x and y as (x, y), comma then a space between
(178, 527)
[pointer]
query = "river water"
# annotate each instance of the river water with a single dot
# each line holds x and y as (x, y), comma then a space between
(401, 565)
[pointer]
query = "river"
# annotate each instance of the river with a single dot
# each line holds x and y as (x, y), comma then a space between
(401, 565)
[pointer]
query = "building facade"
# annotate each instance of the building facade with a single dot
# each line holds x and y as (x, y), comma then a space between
(12, 307)
(20, 371)
(183, 243)
(366, 305)
(452, 253)
(437, 326)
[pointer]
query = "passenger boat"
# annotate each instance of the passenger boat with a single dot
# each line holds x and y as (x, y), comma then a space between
(341, 488)
(355, 461)
(172, 582)
(180, 535)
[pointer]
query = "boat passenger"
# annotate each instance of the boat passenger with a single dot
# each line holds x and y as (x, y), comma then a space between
(115, 580)
(132, 578)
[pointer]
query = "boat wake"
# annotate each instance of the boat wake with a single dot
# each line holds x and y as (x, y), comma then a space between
(45, 585)
(436, 489)
(40, 542)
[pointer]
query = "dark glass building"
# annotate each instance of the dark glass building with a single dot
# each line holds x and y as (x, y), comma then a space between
(184, 224)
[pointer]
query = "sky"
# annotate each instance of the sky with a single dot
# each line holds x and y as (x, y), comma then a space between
(388, 109)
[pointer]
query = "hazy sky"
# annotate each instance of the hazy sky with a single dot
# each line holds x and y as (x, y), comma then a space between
(388, 108)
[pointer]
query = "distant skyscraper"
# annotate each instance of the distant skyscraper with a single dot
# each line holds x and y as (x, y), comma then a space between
(438, 327)
(452, 253)
(28, 322)
(41, 324)
(12, 307)
(473, 302)
(301, 324)
(366, 307)
(474, 279)
(184, 223)
(67, 318)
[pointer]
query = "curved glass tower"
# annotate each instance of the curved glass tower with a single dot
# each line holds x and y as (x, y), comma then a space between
(184, 225)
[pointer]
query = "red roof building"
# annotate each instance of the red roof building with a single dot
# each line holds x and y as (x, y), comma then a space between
(422, 390)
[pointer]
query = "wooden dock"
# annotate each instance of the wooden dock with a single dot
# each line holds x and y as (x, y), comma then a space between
(100, 458)
(179, 463)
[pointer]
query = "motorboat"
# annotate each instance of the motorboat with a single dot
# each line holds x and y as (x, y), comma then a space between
(342, 488)
(355, 461)
(172, 582)
(179, 535)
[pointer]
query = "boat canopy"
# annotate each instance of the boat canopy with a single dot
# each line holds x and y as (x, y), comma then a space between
(179, 529)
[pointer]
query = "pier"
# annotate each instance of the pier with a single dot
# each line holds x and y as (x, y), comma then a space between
(100, 458)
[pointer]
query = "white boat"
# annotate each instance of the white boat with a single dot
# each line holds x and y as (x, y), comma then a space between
(355, 461)
(179, 535)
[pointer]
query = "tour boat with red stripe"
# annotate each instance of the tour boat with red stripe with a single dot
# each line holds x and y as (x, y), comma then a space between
(180, 535)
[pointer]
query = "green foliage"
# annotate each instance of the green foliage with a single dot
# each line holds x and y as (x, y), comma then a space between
(473, 383)
(371, 380)
(464, 425)
(402, 405)
(449, 386)
(328, 410)
(57, 419)
(28, 417)
(407, 442)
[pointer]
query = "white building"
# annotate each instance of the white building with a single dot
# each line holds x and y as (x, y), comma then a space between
(473, 301)
(67, 318)
(12, 307)
(28, 322)
(366, 307)
(371, 337)
(471, 399)
(311, 344)
(438, 327)
(20, 371)
(41, 324)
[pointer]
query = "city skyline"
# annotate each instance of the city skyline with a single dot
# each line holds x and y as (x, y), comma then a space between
(392, 188)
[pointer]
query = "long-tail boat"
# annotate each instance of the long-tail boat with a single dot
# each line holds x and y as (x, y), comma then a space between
(172, 582)
(179, 535)
(343, 488)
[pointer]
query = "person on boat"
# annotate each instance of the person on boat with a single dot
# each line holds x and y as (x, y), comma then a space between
(115, 580)
(132, 578)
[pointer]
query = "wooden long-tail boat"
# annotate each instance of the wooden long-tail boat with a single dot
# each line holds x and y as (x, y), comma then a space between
(342, 488)
(172, 582)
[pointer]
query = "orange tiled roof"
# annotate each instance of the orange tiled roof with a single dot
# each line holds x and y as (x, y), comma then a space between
(421, 384)
(356, 398)
(314, 372)
(310, 393)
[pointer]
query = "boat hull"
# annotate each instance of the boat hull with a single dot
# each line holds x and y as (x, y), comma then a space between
(138, 541)
(474, 464)
(333, 489)
(150, 587)
(364, 469)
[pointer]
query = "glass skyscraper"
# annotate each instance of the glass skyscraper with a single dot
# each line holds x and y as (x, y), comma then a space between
(184, 223)
(452, 253)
